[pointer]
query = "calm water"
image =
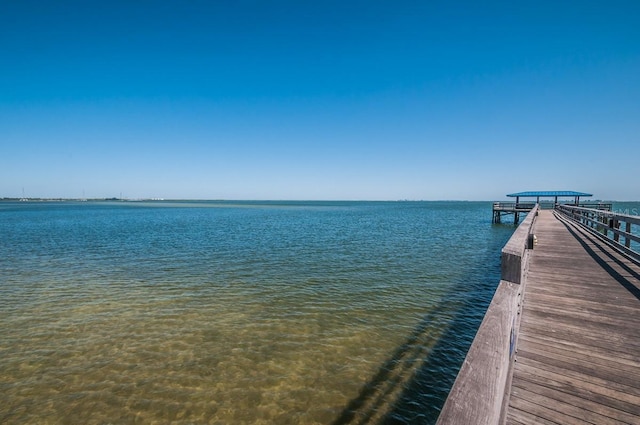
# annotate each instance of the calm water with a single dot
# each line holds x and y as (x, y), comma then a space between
(239, 313)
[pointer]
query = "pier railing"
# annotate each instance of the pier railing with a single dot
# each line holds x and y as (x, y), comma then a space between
(478, 395)
(617, 229)
(514, 253)
(511, 206)
(547, 205)
(501, 209)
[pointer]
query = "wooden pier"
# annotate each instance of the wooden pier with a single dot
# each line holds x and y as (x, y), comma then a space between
(545, 200)
(560, 343)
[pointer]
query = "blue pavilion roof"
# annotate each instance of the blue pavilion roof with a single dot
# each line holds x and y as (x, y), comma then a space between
(558, 193)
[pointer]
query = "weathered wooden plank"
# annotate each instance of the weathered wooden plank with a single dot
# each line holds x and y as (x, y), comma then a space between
(520, 417)
(584, 366)
(556, 323)
(542, 408)
(562, 407)
(586, 356)
(629, 393)
(564, 294)
(571, 323)
(580, 347)
(621, 405)
(607, 297)
(596, 307)
(588, 308)
(575, 279)
(616, 345)
(617, 341)
(565, 311)
(558, 263)
(606, 300)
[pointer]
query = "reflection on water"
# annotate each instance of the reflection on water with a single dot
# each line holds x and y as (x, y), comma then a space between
(253, 313)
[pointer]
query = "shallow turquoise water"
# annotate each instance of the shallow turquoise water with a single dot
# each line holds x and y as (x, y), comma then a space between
(239, 312)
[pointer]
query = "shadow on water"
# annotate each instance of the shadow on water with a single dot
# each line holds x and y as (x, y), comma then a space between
(413, 384)
(425, 392)
(391, 378)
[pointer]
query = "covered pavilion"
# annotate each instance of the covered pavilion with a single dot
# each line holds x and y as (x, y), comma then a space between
(533, 197)
(550, 194)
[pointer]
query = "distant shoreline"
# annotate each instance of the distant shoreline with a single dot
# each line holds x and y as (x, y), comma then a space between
(69, 199)
(85, 200)
(114, 199)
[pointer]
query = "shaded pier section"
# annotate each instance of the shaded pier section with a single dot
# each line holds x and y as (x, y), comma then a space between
(560, 343)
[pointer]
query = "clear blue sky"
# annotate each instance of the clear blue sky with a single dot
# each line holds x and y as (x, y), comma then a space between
(319, 100)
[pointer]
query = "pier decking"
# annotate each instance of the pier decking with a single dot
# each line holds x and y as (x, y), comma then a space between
(578, 348)
(575, 330)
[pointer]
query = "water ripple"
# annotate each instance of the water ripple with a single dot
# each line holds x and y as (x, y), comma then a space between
(256, 313)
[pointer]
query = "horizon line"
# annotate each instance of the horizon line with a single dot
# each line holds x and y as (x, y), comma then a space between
(159, 199)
